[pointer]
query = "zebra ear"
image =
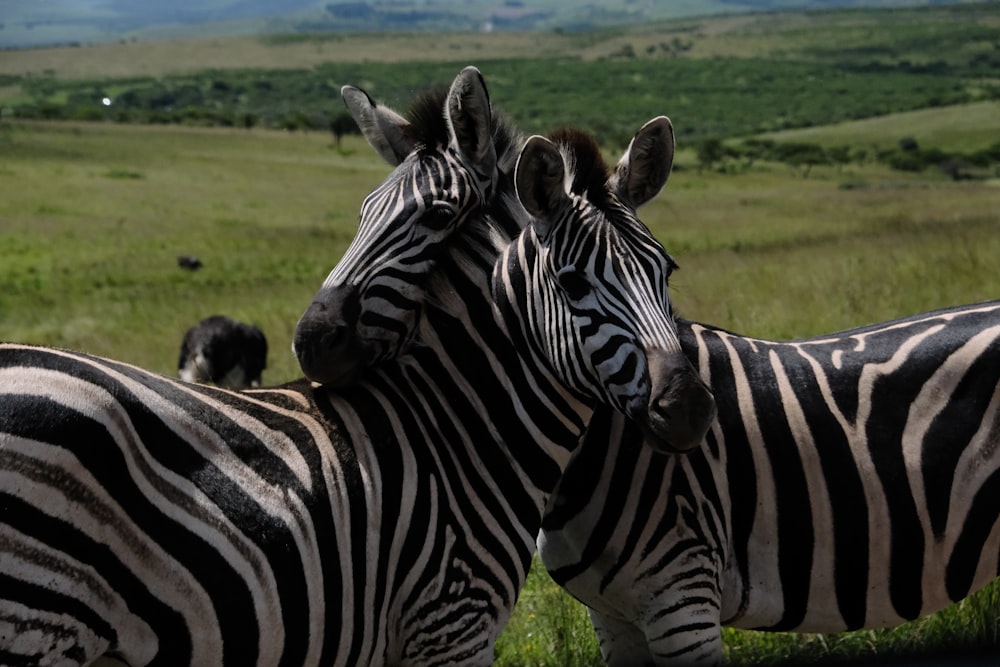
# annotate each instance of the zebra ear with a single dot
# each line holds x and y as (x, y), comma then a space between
(540, 181)
(386, 131)
(470, 120)
(644, 168)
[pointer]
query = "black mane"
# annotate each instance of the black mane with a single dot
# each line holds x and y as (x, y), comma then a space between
(430, 129)
(426, 116)
(589, 168)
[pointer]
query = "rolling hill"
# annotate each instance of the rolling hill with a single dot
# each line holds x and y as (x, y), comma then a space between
(29, 23)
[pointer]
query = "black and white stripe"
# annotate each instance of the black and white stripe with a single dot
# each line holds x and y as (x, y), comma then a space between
(167, 523)
(850, 481)
(454, 160)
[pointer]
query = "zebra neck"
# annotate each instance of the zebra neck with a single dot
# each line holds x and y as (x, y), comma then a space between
(533, 418)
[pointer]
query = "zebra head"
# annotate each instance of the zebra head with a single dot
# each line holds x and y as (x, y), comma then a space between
(446, 170)
(585, 286)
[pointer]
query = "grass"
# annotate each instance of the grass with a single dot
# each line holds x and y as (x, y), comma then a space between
(957, 128)
(93, 218)
(99, 214)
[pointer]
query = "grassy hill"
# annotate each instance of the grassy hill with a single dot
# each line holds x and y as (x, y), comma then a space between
(954, 34)
(716, 77)
(963, 127)
(31, 23)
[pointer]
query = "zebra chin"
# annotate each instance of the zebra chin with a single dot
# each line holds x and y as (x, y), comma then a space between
(681, 406)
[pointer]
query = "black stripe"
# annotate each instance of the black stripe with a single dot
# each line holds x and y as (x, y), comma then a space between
(66, 538)
(847, 501)
(795, 539)
(979, 523)
(952, 430)
(741, 472)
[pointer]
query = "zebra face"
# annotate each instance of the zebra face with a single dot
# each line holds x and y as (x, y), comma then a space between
(369, 307)
(586, 284)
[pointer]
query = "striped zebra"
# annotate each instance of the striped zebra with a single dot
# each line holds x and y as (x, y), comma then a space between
(165, 523)
(850, 481)
(759, 527)
(370, 307)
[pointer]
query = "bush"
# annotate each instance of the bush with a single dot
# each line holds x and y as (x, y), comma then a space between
(904, 161)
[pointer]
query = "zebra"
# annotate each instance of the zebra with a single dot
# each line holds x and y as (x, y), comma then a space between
(223, 351)
(850, 481)
(161, 522)
(665, 550)
(370, 306)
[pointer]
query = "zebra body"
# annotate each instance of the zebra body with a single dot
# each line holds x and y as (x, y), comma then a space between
(850, 481)
(165, 523)
(173, 524)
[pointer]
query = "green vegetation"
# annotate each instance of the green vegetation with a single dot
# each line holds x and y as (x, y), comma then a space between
(718, 77)
(26, 22)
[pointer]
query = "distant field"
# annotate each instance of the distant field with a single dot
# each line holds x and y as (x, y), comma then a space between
(26, 22)
(959, 128)
(160, 58)
(948, 34)
(730, 76)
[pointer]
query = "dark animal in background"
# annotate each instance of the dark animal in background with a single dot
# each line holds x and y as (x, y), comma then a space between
(225, 352)
(189, 262)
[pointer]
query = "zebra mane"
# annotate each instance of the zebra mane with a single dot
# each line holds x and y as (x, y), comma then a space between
(430, 128)
(474, 248)
(585, 162)
(426, 115)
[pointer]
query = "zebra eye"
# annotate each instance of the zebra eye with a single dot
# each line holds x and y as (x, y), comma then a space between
(438, 218)
(573, 282)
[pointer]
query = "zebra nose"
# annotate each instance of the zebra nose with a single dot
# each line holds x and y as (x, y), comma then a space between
(689, 410)
(325, 341)
(682, 407)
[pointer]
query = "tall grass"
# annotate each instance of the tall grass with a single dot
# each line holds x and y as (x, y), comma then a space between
(92, 219)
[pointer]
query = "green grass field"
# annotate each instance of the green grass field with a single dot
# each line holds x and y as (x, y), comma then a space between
(93, 217)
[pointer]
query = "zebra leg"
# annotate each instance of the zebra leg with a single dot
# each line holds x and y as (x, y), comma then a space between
(688, 637)
(664, 641)
(623, 644)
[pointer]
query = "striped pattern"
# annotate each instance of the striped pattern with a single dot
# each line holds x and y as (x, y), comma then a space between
(393, 524)
(851, 481)
(575, 235)
(449, 155)
(456, 162)
(151, 515)
(176, 524)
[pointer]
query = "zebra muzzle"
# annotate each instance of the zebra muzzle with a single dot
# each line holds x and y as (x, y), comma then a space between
(681, 406)
(326, 343)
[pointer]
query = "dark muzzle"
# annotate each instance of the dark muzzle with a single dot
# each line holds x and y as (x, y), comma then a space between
(681, 408)
(326, 341)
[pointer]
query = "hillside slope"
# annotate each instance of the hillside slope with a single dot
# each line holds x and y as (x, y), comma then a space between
(26, 23)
